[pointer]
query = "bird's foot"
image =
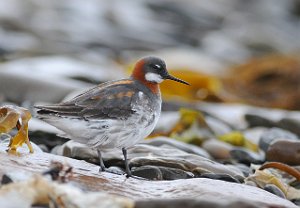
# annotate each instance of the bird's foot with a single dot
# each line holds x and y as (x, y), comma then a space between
(136, 177)
(102, 169)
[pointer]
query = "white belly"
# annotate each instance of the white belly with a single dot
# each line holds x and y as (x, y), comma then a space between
(112, 133)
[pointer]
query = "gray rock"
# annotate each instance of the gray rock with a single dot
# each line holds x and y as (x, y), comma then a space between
(143, 155)
(247, 157)
(285, 151)
(274, 190)
(218, 149)
(87, 177)
(274, 134)
(255, 120)
(161, 173)
(290, 124)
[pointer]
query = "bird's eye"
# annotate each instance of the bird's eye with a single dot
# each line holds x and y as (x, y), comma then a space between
(157, 66)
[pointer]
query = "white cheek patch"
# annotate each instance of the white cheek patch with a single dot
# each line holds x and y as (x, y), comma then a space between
(152, 77)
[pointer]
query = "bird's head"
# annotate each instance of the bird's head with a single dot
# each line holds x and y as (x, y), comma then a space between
(153, 70)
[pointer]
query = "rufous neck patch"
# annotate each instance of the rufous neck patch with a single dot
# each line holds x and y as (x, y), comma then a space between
(138, 74)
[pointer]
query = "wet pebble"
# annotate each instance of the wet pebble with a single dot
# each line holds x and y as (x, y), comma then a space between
(161, 173)
(290, 124)
(144, 155)
(255, 120)
(190, 165)
(217, 149)
(285, 151)
(274, 134)
(246, 156)
(274, 190)
(149, 172)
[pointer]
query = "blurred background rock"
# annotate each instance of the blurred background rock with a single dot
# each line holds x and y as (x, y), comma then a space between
(69, 43)
(51, 48)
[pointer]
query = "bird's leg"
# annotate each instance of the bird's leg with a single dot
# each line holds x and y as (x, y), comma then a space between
(127, 169)
(102, 166)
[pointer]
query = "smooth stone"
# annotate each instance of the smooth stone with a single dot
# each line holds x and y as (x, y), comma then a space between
(222, 177)
(255, 120)
(189, 148)
(274, 190)
(290, 124)
(274, 134)
(86, 177)
(149, 172)
(143, 154)
(245, 156)
(219, 150)
(285, 151)
(196, 167)
(161, 173)
(170, 157)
